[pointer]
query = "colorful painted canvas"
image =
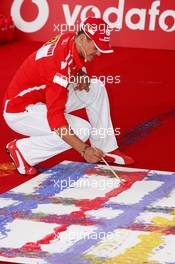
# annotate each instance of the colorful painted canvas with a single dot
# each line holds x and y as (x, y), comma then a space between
(80, 213)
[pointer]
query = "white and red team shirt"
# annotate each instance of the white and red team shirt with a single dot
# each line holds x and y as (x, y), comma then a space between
(44, 77)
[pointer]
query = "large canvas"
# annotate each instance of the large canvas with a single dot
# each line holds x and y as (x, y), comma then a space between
(80, 213)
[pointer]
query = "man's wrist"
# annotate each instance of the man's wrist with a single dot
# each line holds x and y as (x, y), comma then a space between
(82, 152)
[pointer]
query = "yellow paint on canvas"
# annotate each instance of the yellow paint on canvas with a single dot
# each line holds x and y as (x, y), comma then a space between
(163, 222)
(138, 254)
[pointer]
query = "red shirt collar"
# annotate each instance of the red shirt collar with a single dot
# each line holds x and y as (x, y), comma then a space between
(77, 59)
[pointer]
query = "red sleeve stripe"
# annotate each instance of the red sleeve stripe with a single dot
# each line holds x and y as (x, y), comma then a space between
(29, 90)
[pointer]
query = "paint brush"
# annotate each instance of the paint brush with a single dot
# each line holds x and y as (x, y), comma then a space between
(110, 168)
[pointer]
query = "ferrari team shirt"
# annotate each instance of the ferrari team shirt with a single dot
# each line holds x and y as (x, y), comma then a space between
(44, 77)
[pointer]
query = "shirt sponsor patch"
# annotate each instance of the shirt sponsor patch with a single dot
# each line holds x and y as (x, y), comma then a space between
(45, 51)
(61, 80)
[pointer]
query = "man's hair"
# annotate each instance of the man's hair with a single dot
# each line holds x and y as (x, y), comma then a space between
(80, 32)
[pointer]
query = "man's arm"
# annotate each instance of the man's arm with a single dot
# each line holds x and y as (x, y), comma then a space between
(56, 98)
(89, 153)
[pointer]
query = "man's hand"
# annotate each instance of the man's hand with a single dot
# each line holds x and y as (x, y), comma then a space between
(92, 155)
(82, 81)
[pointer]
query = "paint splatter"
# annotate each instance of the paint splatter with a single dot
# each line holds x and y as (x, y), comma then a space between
(38, 217)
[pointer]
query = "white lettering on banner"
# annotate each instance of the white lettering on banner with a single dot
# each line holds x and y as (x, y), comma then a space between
(153, 13)
(163, 17)
(116, 11)
(35, 25)
(70, 19)
(142, 15)
(91, 8)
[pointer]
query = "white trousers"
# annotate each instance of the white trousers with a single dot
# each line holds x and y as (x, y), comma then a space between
(42, 143)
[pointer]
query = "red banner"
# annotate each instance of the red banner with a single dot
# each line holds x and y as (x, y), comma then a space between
(146, 23)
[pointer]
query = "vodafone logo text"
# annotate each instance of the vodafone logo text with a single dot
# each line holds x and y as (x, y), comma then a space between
(153, 13)
(37, 23)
